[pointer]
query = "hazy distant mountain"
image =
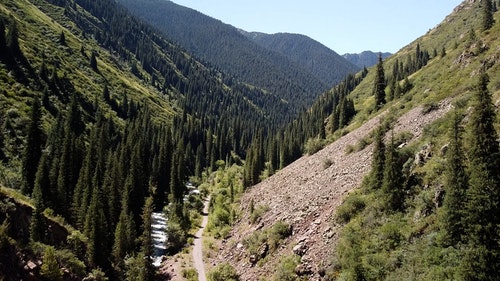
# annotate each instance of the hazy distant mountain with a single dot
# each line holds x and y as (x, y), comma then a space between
(324, 63)
(366, 58)
(224, 47)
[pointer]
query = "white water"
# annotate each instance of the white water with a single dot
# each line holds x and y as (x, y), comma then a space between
(159, 236)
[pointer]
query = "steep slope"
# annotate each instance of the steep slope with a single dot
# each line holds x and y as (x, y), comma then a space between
(306, 194)
(324, 63)
(366, 58)
(224, 47)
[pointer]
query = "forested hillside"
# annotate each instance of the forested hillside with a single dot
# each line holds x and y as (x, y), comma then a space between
(324, 63)
(224, 47)
(102, 121)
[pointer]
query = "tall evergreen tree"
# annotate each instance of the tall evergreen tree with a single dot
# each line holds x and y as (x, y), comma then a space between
(378, 160)
(392, 184)
(12, 38)
(124, 234)
(95, 229)
(380, 84)
(146, 242)
(37, 227)
(33, 148)
(483, 196)
(455, 185)
(488, 20)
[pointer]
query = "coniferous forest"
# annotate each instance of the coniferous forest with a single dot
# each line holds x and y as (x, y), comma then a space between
(105, 120)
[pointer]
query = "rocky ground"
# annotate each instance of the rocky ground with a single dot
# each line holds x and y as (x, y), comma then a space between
(306, 194)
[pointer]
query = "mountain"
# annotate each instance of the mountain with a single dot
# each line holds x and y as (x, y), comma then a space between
(366, 58)
(325, 216)
(324, 63)
(224, 47)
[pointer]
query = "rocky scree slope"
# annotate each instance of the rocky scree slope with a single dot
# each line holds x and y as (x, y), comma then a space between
(306, 194)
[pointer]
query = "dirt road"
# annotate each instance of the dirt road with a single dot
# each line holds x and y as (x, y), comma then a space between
(198, 245)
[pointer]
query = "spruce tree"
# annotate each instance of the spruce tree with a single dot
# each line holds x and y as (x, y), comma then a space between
(37, 227)
(124, 234)
(378, 160)
(93, 61)
(50, 268)
(488, 20)
(380, 84)
(12, 40)
(455, 186)
(146, 242)
(62, 39)
(483, 196)
(33, 148)
(392, 183)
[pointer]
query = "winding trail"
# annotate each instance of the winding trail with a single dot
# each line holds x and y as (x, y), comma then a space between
(198, 245)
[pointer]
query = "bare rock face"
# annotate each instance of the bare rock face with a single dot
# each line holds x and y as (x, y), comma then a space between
(300, 249)
(306, 194)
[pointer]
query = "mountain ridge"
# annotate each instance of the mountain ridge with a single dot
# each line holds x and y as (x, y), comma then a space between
(310, 54)
(365, 58)
(224, 47)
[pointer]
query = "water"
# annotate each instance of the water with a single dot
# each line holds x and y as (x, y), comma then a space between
(159, 236)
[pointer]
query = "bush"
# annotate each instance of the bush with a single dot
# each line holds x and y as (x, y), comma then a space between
(313, 145)
(190, 274)
(352, 205)
(223, 272)
(258, 212)
(286, 270)
(176, 237)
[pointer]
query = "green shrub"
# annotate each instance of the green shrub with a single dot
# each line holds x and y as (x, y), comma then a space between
(176, 237)
(286, 270)
(258, 212)
(352, 205)
(223, 272)
(190, 274)
(313, 145)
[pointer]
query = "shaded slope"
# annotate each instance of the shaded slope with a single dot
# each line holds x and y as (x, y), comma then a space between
(224, 47)
(324, 63)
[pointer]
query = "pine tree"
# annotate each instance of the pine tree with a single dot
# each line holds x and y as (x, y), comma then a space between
(380, 84)
(483, 196)
(378, 160)
(33, 149)
(455, 185)
(392, 183)
(93, 61)
(488, 20)
(146, 242)
(62, 39)
(12, 40)
(95, 229)
(124, 234)
(50, 268)
(37, 227)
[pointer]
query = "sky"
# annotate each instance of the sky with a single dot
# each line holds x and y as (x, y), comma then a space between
(345, 26)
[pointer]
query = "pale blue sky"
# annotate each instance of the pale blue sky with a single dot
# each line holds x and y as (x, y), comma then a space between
(345, 26)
